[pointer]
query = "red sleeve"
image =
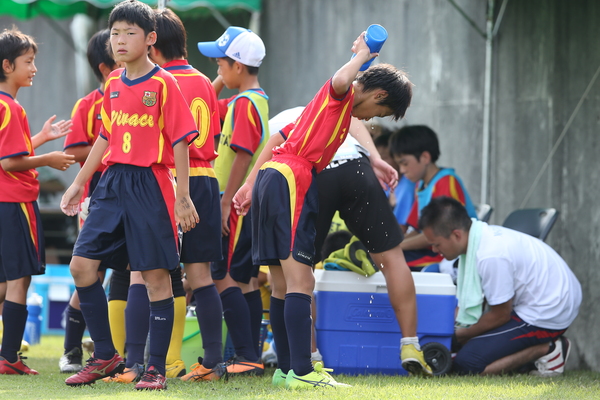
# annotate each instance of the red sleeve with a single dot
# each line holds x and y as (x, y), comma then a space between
(450, 187)
(80, 132)
(222, 107)
(106, 110)
(285, 131)
(14, 140)
(247, 127)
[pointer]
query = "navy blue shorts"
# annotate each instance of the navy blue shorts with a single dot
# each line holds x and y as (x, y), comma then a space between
(237, 251)
(132, 212)
(510, 338)
(21, 241)
(285, 203)
(203, 243)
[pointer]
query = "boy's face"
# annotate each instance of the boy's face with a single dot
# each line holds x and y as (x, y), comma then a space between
(229, 73)
(368, 107)
(129, 42)
(414, 169)
(22, 71)
(367, 110)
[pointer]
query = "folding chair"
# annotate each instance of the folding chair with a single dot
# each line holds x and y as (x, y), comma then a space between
(536, 222)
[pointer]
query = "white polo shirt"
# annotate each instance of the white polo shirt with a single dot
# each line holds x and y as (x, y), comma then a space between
(514, 265)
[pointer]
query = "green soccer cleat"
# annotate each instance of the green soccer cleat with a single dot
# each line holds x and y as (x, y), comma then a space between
(318, 378)
(279, 378)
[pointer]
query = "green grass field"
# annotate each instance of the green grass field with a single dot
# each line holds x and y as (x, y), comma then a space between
(50, 385)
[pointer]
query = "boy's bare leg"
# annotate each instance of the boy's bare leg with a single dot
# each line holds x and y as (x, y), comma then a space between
(16, 290)
(158, 284)
(514, 361)
(84, 271)
(400, 287)
(402, 295)
(299, 277)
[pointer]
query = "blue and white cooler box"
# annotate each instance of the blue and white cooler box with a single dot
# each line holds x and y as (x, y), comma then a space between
(357, 330)
(56, 287)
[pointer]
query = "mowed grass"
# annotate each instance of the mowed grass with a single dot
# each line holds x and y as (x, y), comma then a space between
(50, 385)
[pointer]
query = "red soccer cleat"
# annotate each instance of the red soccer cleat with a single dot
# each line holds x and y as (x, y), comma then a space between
(96, 369)
(16, 368)
(152, 380)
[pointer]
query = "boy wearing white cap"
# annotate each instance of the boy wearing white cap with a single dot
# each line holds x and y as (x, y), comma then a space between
(239, 52)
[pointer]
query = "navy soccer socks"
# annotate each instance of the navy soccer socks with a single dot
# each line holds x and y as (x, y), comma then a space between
(298, 325)
(137, 324)
(280, 334)
(15, 317)
(209, 313)
(255, 307)
(161, 326)
(75, 328)
(94, 308)
(237, 317)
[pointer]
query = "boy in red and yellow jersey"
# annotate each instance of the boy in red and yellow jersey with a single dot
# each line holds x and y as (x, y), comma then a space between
(416, 150)
(202, 244)
(134, 209)
(21, 237)
(283, 192)
(239, 53)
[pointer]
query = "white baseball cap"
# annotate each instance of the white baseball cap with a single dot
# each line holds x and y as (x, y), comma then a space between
(240, 44)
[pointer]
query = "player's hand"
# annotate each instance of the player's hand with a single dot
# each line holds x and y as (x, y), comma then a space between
(69, 204)
(225, 210)
(185, 213)
(360, 46)
(60, 160)
(243, 199)
(385, 173)
(51, 131)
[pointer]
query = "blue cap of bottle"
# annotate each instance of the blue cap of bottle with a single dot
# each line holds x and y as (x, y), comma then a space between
(375, 37)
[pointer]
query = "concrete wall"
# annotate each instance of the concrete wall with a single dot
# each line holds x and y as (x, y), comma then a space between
(545, 55)
(54, 86)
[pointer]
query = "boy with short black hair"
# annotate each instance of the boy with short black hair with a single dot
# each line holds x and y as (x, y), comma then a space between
(87, 122)
(21, 237)
(415, 148)
(283, 190)
(135, 208)
(239, 53)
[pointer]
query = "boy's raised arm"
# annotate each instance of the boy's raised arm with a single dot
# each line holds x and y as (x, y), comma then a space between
(51, 131)
(344, 76)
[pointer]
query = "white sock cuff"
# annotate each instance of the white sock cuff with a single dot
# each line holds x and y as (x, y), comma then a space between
(414, 340)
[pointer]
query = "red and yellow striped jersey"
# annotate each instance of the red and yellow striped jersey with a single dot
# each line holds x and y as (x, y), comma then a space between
(15, 140)
(144, 118)
(321, 128)
(202, 99)
(87, 122)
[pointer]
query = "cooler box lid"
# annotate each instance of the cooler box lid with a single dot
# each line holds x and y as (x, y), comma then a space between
(347, 281)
